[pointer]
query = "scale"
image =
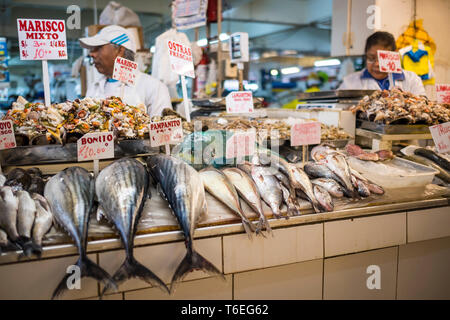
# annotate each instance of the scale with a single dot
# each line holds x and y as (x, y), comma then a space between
(334, 99)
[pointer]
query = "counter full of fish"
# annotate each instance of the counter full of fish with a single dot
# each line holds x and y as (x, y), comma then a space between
(61, 123)
(399, 107)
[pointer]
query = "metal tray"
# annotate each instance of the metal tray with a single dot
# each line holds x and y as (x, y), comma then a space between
(35, 155)
(334, 94)
(392, 128)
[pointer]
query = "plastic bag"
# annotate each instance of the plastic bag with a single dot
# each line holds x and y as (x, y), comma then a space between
(115, 13)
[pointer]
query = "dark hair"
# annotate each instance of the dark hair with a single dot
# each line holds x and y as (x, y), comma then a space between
(381, 38)
(127, 54)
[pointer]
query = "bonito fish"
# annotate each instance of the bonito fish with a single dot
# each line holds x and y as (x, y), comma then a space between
(9, 205)
(247, 189)
(42, 222)
(184, 190)
(218, 185)
(25, 218)
(70, 194)
(121, 189)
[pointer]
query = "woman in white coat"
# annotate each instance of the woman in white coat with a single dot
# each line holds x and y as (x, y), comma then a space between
(371, 78)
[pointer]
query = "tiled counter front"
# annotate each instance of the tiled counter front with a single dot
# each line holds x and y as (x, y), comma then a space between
(316, 260)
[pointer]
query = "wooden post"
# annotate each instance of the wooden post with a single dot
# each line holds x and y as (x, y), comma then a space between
(219, 49)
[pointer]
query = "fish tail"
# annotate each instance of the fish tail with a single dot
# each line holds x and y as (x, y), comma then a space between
(248, 227)
(27, 246)
(131, 268)
(193, 261)
(265, 224)
(37, 249)
(88, 269)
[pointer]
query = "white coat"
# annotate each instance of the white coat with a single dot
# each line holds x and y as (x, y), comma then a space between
(357, 81)
(148, 90)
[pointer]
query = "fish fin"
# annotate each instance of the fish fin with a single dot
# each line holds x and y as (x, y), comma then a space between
(193, 261)
(131, 268)
(88, 269)
(248, 227)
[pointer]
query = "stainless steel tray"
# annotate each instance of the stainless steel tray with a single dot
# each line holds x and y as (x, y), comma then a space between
(34, 155)
(392, 128)
(334, 94)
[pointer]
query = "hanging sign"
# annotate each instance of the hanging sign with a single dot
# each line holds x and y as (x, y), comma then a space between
(166, 132)
(443, 93)
(441, 137)
(187, 14)
(389, 61)
(239, 102)
(7, 138)
(305, 133)
(95, 146)
(125, 71)
(41, 39)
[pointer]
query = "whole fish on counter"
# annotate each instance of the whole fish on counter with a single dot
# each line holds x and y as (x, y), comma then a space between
(247, 189)
(70, 194)
(182, 186)
(218, 185)
(373, 188)
(323, 198)
(330, 185)
(339, 166)
(303, 183)
(3, 240)
(25, 218)
(121, 189)
(18, 179)
(9, 205)
(42, 222)
(360, 186)
(433, 156)
(2, 180)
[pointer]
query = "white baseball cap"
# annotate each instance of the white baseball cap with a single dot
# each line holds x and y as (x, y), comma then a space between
(110, 34)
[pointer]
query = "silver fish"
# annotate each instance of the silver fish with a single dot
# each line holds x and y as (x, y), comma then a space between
(3, 240)
(268, 186)
(321, 151)
(218, 185)
(361, 186)
(248, 191)
(338, 165)
(25, 218)
(290, 201)
(324, 199)
(303, 183)
(183, 188)
(2, 180)
(332, 187)
(373, 188)
(9, 204)
(121, 189)
(42, 222)
(70, 194)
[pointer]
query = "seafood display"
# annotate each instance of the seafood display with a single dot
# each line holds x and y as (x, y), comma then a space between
(121, 190)
(183, 188)
(358, 152)
(400, 107)
(70, 194)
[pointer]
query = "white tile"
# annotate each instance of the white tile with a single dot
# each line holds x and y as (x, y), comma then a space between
(204, 289)
(428, 224)
(38, 279)
(288, 245)
(423, 270)
(367, 233)
(346, 277)
(294, 281)
(163, 259)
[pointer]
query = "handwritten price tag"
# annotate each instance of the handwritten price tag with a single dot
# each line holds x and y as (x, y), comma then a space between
(41, 39)
(443, 93)
(165, 132)
(305, 133)
(389, 61)
(241, 144)
(441, 137)
(7, 138)
(180, 57)
(239, 102)
(125, 71)
(95, 146)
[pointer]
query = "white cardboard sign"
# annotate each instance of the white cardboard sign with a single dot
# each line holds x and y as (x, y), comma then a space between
(305, 133)
(125, 71)
(241, 144)
(389, 61)
(42, 39)
(95, 146)
(239, 102)
(7, 138)
(443, 93)
(441, 137)
(180, 57)
(166, 132)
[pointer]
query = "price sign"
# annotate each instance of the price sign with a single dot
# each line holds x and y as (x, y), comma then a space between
(239, 102)
(41, 39)
(305, 133)
(441, 137)
(95, 146)
(125, 71)
(389, 61)
(443, 93)
(180, 57)
(7, 138)
(165, 132)
(241, 144)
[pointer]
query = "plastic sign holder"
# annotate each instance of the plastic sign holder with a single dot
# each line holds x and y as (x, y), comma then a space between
(42, 39)
(389, 61)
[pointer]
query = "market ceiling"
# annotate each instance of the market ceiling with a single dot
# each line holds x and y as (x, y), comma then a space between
(301, 25)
